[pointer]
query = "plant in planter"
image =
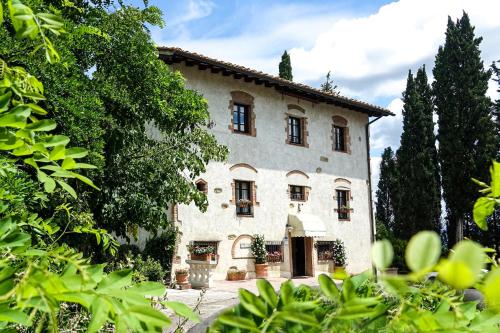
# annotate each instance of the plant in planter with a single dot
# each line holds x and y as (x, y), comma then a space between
(202, 253)
(243, 203)
(181, 275)
(339, 257)
(258, 248)
(235, 274)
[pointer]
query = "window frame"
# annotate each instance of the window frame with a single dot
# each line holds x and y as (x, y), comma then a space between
(238, 191)
(343, 214)
(295, 130)
(302, 193)
(322, 247)
(340, 137)
(238, 125)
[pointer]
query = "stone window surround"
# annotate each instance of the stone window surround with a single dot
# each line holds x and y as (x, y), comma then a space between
(306, 193)
(204, 183)
(241, 97)
(341, 122)
(303, 129)
(253, 193)
(349, 199)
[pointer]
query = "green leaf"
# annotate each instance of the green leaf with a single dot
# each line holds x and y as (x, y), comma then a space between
(495, 179)
(68, 163)
(483, 208)
(37, 109)
(56, 140)
(42, 125)
(14, 316)
(1, 13)
(491, 290)
(423, 251)
(239, 322)
(51, 19)
(5, 98)
(286, 292)
(463, 268)
(299, 318)
(76, 152)
(328, 287)
(116, 280)
(252, 303)
(99, 310)
(182, 310)
(382, 254)
(150, 316)
(13, 120)
(67, 188)
(58, 153)
(267, 292)
(149, 288)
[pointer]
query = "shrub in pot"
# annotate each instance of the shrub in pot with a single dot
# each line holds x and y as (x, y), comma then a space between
(258, 248)
(235, 274)
(339, 257)
(181, 275)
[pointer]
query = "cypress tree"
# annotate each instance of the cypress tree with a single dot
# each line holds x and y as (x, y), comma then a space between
(466, 134)
(384, 209)
(285, 67)
(418, 201)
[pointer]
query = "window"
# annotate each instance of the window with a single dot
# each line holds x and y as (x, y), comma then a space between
(297, 193)
(339, 133)
(295, 130)
(205, 244)
(343, 204)
(241, 118)
(274, 251)
(325, 250)
(243, 191)
(202, 186)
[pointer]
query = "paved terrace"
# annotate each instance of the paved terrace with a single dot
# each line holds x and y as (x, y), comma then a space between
(224, 294)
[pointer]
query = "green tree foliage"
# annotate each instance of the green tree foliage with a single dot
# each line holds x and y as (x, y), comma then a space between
(285, 67)
(496, 107)
(386, 190)
(418, 190)
(38, 272)
(466, 134)
(328, 86)
(111, 94)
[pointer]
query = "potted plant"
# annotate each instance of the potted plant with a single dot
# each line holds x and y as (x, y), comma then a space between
(258, 248)
(339, 257)
(243, 203)
(201, 253)
(235, 274)
(181, 275)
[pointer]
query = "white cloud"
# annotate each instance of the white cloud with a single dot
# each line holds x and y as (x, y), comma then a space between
(387, 130)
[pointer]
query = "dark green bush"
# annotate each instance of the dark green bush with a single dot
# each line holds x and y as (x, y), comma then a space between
(150, 268)
(161, 248)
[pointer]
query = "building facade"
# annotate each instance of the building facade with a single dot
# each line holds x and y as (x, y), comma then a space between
(297, 172)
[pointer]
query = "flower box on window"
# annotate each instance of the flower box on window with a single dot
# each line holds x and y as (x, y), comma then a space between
(244, 203)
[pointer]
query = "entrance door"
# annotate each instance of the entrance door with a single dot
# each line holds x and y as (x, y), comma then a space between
(299, 256)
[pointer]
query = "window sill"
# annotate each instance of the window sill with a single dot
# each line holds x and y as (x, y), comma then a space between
(244, 215)
(345, 220)
(298, 200)
(341, 151)
(243, 133)
(297, 144)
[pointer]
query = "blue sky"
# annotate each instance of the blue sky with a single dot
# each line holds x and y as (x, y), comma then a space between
(369, 45)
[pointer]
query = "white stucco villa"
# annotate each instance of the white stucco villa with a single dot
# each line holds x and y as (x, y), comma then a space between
(298, 171)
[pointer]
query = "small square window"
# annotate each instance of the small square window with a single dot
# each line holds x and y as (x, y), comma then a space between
(295, 130)
(339, 138)
(343, 208)
(297, 193)
(243, 193)
(241, 119)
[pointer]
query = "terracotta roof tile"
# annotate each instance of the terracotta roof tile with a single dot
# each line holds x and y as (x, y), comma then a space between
(168, 53)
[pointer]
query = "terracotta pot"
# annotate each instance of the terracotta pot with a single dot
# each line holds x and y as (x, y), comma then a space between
(261, 270)
(181, 278)
(201, 257)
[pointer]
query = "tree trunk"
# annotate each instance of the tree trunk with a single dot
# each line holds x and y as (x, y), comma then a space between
(460, 230)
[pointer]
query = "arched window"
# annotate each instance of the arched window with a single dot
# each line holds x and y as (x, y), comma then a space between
(202, 186)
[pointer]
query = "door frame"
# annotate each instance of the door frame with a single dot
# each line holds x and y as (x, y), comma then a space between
(308, 255)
